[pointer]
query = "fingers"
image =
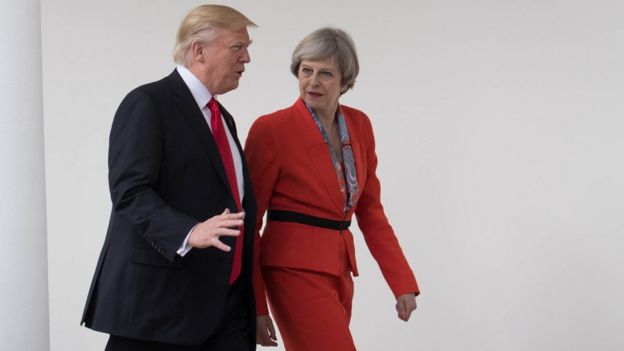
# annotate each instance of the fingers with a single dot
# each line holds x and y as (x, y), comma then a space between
(265, 333)
(409, 309)
(207, 233)
(400, 307)
(265, 340)
(272, 330)
(226, 219)
(226, 214)
(215, 242)
(225, 232)
(230, 223)
(221, 246)
(406, 304)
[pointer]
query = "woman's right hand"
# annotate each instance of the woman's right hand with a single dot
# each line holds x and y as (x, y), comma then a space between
(265, 331)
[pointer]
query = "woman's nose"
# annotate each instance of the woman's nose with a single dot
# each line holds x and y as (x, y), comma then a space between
(314, 80)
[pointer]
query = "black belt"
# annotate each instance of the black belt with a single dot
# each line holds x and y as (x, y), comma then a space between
(290, 216)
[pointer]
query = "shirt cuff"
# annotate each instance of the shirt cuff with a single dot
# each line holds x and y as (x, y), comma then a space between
(184, 248)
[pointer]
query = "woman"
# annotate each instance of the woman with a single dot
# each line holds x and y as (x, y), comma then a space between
(312, 166)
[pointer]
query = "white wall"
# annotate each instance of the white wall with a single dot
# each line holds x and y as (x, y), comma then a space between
(499, 135)
(23, 262)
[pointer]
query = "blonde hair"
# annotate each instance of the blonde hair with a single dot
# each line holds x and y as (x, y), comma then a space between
(332, 43)
(202, 24)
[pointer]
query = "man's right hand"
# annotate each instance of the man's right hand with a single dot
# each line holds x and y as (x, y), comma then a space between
(207, 233)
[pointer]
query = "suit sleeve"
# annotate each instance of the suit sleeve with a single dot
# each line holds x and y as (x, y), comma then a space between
(378, 234)
(135, 160)
(261, 154)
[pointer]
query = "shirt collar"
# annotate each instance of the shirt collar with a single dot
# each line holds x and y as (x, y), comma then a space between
(198, 89)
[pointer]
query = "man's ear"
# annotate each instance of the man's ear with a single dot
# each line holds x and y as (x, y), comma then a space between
(197, 51)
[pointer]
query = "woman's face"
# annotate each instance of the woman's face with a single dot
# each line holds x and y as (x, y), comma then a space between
(319, 85)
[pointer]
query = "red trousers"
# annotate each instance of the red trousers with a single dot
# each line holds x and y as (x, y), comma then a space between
(312, 309)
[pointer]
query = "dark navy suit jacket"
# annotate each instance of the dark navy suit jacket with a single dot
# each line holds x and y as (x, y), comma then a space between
(165, 175)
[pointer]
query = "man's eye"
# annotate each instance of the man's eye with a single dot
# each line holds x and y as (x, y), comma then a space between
(237, 47)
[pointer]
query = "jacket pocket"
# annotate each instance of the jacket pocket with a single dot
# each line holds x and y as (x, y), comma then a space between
(152, 258)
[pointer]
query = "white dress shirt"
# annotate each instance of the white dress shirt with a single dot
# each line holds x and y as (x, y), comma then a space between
(202, 96)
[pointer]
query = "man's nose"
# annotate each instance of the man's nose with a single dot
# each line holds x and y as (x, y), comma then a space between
(245, 57)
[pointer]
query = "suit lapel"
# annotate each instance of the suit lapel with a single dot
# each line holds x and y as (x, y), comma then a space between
(319, 155)
(356, 146)
(326, 173)
(229, 121)
(187, 107)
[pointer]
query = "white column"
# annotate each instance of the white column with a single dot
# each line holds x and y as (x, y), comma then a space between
(23, 260)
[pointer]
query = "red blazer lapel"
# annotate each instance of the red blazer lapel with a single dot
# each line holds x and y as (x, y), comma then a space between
(319, 155)
(357, 146)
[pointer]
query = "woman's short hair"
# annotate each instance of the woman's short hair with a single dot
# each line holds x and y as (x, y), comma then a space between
(202, 24)
(327, 43)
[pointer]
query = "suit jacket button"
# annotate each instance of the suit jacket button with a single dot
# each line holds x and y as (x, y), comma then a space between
(229, 261)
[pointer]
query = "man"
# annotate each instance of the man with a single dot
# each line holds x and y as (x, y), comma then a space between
(175, 269)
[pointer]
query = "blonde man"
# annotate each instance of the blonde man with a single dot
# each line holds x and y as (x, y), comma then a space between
(175, 270)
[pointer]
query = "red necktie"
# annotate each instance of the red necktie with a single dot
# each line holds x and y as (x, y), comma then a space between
(218, 133)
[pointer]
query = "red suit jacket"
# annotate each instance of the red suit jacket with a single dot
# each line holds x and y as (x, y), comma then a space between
(291, 169)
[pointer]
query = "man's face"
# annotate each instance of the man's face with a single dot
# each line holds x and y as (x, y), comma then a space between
(221, 63)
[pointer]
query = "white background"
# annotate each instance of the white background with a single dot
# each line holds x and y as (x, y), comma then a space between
(499, 131)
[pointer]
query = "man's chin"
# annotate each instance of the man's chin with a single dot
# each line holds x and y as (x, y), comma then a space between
(227, 89)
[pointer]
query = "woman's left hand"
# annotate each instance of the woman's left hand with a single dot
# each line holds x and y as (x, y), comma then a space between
(265, 331)
(405, 305)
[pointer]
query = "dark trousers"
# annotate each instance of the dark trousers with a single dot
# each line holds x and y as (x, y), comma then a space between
(233, 333)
